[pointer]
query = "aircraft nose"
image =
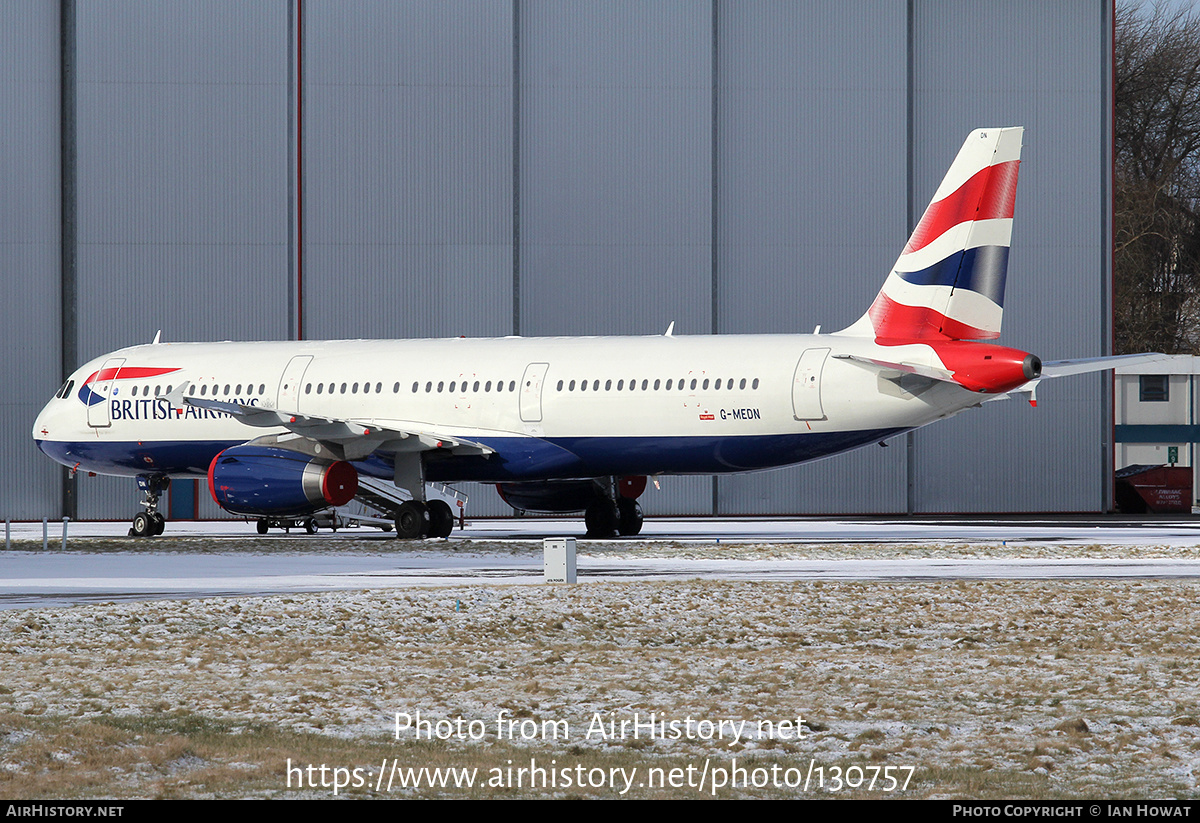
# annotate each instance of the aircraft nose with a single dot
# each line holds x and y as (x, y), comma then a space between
(41, 424)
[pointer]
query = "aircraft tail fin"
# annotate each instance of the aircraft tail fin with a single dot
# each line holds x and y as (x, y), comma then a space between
(948, 282)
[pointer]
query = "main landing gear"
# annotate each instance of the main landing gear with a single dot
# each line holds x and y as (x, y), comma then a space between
(604, 518)
(151, 522)
(618, 511)
(415, 519)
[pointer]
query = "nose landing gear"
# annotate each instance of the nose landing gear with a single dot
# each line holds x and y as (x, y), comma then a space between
(151, 522)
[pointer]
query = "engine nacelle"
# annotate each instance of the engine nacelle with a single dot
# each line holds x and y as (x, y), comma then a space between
(267, 481)
(564, 496)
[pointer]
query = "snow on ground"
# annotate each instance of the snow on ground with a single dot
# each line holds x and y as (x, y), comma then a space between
(1092, 684)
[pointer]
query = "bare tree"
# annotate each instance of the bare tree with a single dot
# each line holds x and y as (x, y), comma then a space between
(1157, 180)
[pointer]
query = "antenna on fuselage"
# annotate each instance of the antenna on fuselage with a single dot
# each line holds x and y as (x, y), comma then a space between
(670, 329)
(157, 338)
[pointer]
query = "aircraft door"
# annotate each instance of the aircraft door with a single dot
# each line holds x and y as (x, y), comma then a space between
(290, 384)
(99, 413)
(806, 385)
(531, 392)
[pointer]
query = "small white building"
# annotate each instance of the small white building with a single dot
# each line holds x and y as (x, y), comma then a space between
(1156, 412)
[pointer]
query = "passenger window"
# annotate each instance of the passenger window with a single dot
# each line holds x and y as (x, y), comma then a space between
(656, 384)
(307, 388)
(415, 387)
(693, 383)
(320, 386)
(572, 387)
(608, 385)
(441, 385)
(487, 386)
(705, 384)
(754, 385)
(560, 385)
(668, 385)
(428, 387)
(645, 384)
(512, 385)
(583, 385)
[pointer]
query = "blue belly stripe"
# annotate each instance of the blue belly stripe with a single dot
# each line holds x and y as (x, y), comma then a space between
(516, 458)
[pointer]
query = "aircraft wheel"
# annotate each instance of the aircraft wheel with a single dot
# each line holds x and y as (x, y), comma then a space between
(263, 525)
(441, 518)
(160, 523)
(412, 520)
(143, 525)
(629, 517)
(600, 519)
(310, 526)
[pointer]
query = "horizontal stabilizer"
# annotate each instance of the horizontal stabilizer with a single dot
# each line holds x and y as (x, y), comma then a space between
(1061, 368)
(904, 368)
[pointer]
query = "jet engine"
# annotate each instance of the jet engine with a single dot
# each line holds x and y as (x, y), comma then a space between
(269, 481)
(563, 496)
(559, 496)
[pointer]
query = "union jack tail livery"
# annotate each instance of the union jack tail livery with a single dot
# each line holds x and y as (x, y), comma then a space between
(948, 283)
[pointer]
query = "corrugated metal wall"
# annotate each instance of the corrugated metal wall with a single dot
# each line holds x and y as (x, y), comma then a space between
(1050, 78)
(484, 167)
(811, 206)
(615, 176)
(182, 180)
(407, 184)
(29, 252)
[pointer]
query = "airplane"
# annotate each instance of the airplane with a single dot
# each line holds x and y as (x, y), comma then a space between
(286, 429)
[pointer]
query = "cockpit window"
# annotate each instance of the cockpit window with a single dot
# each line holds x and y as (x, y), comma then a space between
(65, 391)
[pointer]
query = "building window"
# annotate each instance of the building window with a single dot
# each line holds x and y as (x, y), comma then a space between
(1154, 388)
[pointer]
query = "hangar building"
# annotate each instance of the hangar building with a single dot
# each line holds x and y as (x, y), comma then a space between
(327, 169)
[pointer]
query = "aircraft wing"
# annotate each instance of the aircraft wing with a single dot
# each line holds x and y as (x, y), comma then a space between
(354, 439)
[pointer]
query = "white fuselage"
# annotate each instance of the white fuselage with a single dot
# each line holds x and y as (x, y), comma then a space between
(549, 407)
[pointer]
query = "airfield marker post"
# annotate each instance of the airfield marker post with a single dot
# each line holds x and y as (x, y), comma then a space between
(66, 520)
(45, 534)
